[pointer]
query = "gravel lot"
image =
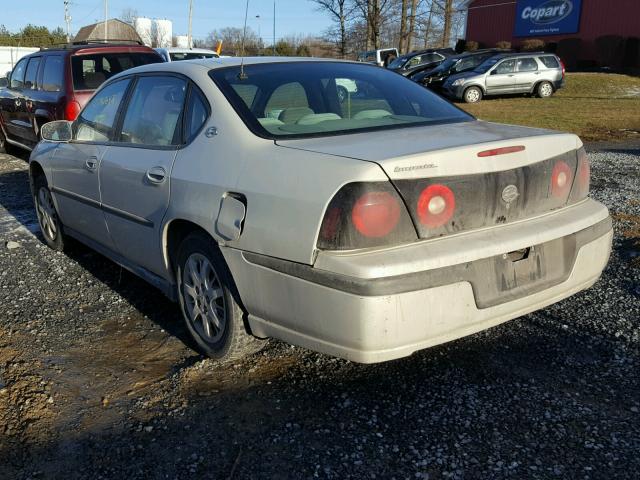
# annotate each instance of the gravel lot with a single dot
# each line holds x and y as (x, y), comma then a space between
(98, 380)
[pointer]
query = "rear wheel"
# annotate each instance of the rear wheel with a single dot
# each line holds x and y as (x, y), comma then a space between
(209, 301)
(544, 90)
(48, 218)
(472, 95)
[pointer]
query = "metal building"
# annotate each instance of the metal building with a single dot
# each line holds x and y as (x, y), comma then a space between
(584, 33)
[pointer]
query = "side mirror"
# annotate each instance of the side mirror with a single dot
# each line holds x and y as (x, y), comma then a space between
(58, 131)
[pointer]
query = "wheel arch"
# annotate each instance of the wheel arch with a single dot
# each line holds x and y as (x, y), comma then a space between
(477, 85)
(534, 90)
(35, 170)
(174, 232)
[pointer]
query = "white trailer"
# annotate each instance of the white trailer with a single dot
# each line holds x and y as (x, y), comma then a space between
(9, 56)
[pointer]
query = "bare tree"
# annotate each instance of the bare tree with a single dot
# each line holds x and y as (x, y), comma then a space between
(412, 24)
(403, 27)
(341, 12)
(375, 13)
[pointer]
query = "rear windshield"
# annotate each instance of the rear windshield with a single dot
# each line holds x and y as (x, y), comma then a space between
(550, 62)
(302, 99)
(175, 56)
(90, 71)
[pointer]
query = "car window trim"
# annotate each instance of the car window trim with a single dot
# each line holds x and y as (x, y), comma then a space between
(31, 59)
(118, 112)
(260, 132)
(125, 104)
(26, 62)
(185, 117)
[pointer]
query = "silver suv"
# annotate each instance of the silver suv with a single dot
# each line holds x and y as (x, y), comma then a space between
(538, 74)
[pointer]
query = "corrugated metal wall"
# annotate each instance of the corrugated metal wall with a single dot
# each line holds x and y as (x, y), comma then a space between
(491, 21)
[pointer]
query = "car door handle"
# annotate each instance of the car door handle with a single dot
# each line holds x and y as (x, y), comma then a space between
(91, 164)
(512, 75)
(156, 174)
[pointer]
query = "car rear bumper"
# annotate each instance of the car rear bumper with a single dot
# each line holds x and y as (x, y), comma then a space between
(370, 315)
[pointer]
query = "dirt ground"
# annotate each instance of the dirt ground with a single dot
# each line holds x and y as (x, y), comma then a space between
(98, 379)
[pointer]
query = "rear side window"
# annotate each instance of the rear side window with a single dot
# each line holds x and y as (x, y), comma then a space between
(17, 76)
(527, 65)
(550, 61)
(154, 111)
(32, 74)
(53, 73)
(96, 121)
(197, 113)
(90, 71)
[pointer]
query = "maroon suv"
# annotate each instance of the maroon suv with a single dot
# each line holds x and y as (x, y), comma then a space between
(55, 83)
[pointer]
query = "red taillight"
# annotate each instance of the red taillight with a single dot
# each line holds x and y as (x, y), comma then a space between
(584, 170)
(436, 205)
(72, 110)
(561, 178)
(563, 68)
(376, 214)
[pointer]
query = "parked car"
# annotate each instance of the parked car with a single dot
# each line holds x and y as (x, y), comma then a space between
(175, 53)
(435, 77)
(381, 57)
(415, 62)
(538, 74)
(55, 83)
(366, 229)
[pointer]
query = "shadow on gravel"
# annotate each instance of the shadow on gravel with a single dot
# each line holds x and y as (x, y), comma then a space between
(493, 407)
(15, 197)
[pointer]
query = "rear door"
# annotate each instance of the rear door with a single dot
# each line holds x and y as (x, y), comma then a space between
(502, 78)
(527, 74)
(76, 165)
(135, 171)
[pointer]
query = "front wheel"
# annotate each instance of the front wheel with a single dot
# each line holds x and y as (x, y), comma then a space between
(209, 301)
(472, 95)
(544, 90)
(48, 218)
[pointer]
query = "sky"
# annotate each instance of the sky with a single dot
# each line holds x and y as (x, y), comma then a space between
(292, 16)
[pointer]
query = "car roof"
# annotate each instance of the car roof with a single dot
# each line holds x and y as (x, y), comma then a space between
(74, 47)
(213, 63)
(186, 50)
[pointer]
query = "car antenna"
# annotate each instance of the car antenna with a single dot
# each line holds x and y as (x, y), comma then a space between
(242, 75)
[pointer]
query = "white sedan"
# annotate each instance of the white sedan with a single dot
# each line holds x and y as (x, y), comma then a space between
(366, 229)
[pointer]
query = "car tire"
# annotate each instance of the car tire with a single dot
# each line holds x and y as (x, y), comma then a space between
(343, 93)
(472, 95)
(544, 90)
(209, 301)
(48, 218)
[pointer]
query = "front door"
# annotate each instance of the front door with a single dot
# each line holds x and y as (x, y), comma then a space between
(135, 171)
(13, 107)
(501, 79)
(76, 165)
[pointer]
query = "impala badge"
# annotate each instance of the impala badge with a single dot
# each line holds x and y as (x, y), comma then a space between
(510, 193)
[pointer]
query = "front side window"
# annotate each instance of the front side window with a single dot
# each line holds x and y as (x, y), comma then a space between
(154, 111)
(96, 121)
(508, 66)
(301, 99)
(32, 73)
(52, 76)
(527, 65)
(17, 76)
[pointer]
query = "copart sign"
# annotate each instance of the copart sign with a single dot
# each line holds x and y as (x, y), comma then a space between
(547, 17)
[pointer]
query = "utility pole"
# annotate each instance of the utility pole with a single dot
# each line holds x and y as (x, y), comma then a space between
(106, 17)
(259, 36)
(189, 38)
(274, 27)
(67, 19)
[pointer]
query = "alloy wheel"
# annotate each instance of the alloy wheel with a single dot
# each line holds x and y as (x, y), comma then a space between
(204, 298)
(545, 90)
(47, 217)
